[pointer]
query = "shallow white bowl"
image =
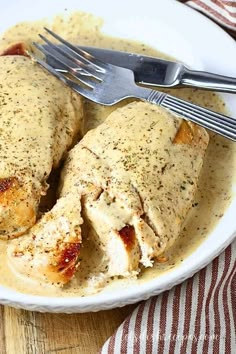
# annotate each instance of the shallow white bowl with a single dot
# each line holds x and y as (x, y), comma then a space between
(176, 30)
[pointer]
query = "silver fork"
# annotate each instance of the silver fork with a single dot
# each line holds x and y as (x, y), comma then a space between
(108, 84)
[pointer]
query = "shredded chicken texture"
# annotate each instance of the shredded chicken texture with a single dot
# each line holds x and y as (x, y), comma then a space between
(40, 118)
(49, 252)
(134, 178)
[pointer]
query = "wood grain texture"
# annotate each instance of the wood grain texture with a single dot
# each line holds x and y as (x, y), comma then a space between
(25, 332)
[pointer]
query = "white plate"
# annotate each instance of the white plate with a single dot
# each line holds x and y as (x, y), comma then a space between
(183, 33)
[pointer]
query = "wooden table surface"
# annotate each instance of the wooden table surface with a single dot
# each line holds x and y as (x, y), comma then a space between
(25, 332)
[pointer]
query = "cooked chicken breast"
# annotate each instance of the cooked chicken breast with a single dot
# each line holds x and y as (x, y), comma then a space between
(135, 176)
(40, 119)
(145, 165)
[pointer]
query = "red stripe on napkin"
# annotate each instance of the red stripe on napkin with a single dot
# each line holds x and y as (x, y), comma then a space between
(233, 296)
(111, 346)
(175, 317)
(124, 338)
(229, 292)
(229, 3)
(162, 328)
(201, 293)
(137, 328)
(150, 324)
(187, 314)
(208, 302)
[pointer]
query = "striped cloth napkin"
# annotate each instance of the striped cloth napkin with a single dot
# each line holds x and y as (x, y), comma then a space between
(221, 11)
(199, 315)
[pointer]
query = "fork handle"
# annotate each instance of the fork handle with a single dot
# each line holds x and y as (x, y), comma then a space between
(216, 122)
(209, 81)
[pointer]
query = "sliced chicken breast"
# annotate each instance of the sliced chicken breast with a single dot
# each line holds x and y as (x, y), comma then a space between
(145, 164)
(135, 176)
(40, 118)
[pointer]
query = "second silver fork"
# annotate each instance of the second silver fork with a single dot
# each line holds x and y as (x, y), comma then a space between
(108, 84)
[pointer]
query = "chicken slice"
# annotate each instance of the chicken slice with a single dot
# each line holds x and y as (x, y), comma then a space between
(49, 251)
(40, 119)
(134, 176)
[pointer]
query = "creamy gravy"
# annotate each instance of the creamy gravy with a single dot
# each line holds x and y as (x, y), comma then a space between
(215, 184)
